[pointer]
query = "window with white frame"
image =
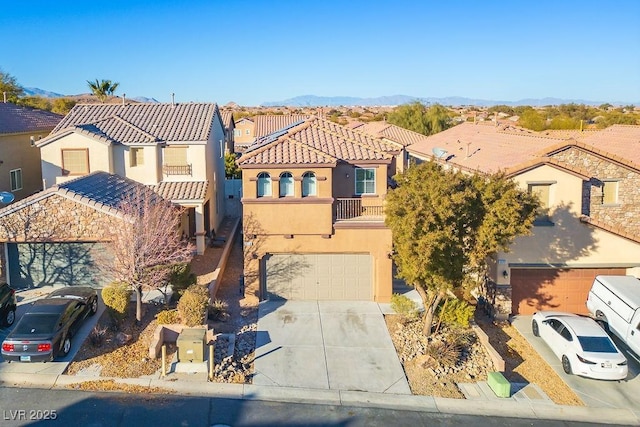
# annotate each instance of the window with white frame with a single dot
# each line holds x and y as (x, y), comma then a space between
(286, 184)
(264, 184)
(237, 132)
(609, 192)
(16, 179)
(365, 181)
(308, 184)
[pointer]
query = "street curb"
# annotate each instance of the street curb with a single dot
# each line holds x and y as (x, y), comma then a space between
(502, 408)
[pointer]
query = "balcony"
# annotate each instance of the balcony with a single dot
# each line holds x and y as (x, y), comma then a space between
(359, 209)
(176, 170)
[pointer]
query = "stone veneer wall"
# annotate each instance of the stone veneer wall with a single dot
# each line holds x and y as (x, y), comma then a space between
(57, 219)
(625, 214)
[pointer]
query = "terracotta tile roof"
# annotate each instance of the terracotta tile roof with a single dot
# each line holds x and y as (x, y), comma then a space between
(538, 161)
(316, 141)
(18, 119)
(139, 123)
(269, 123)
(622, 141)
(620, 230)
(485, 147)
(187, 190)
(402, 136)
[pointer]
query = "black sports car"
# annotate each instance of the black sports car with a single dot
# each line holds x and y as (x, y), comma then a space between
(7, 305)
(45, 330)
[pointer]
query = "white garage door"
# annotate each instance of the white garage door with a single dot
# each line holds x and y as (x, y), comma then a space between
(319, 276)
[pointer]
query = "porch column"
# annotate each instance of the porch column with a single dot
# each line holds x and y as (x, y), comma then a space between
(200, 233)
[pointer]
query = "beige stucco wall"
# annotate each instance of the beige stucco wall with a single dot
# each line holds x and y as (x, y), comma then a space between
(16, 152)
(100, 157)
(568, 241)
(150, 172)
(243, 126)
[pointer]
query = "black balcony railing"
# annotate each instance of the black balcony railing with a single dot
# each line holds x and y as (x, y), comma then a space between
(176, 169)
(354, 209)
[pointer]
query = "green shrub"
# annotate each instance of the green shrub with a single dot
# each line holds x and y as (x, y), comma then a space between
(193, 305)
(181, 278)
(116, 297)
(405, 307)
(167, 317)
(455, 312)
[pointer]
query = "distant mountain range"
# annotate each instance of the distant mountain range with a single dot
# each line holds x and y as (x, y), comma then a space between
(34, 91)
(334, 101)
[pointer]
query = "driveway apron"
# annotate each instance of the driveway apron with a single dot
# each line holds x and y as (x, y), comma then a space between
(337, 345)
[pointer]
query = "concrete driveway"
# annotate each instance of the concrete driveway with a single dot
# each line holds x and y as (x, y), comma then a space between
(594, 393)
(336, 345)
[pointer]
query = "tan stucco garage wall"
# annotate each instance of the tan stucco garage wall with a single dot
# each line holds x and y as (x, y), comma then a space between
(374, 241)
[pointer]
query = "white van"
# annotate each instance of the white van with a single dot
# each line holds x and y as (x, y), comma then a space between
(615, 302)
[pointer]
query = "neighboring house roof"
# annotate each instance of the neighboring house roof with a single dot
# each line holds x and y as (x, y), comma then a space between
(622, 141)
(134, 124)
(18, 119)
(315, 141)
(186, 190)
(227, 119)
(100, 190)
(269, 123)
(392, 132)
(484, 147)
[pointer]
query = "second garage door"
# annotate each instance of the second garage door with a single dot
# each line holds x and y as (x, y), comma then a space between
(319, 276)
(534, 289)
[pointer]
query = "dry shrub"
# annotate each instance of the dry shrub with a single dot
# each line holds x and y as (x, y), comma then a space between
(168, 317)
(218, 310)
(405, 307)
(116, 297)
(97, 335)
(193, 305)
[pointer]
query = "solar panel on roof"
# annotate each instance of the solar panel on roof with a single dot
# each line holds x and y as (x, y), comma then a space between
(268, 139)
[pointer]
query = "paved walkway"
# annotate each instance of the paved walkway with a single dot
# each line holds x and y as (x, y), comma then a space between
(330, 345)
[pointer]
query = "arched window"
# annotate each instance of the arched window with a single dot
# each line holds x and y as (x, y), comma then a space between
(308, 184)
(264, 184)
(286, 184)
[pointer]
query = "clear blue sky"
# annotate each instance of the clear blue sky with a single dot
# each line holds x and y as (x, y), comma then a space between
(251, 52)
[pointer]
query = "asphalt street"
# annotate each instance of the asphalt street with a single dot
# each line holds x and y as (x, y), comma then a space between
(37, 407)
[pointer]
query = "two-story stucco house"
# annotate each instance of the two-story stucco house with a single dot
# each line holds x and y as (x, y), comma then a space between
(589, 223)
(178, 149)
(313, 197)
(20, 129)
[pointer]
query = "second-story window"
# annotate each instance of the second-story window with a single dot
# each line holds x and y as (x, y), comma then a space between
(16, 179)
(175, 161)
(609, 192)
(543, 192)
(308, 184)
(75, 161)
(365, 181)
(286, 184)
(137, 156)
(264, 184)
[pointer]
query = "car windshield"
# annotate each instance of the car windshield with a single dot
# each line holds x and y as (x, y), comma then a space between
(597, 344)
(36, 324)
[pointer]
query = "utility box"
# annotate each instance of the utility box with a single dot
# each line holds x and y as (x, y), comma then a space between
(191, 344)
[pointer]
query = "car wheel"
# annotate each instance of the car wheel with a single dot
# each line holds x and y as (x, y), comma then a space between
(9, 317)
(93, 309)
(535, 329)
(566, 365)
(66, 346)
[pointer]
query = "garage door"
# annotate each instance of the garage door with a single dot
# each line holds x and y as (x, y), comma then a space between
(319, 276)
(33, 265)
(534, 289)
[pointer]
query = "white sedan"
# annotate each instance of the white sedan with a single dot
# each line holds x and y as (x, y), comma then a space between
(581, 344)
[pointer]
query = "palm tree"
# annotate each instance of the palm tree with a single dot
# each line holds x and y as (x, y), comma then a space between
(102, 88)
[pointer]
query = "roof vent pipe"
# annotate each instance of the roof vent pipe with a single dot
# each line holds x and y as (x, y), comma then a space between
(4, 94)
(173, 102)
(124, 95)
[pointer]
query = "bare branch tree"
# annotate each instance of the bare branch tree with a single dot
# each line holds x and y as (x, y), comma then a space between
(146, 244)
